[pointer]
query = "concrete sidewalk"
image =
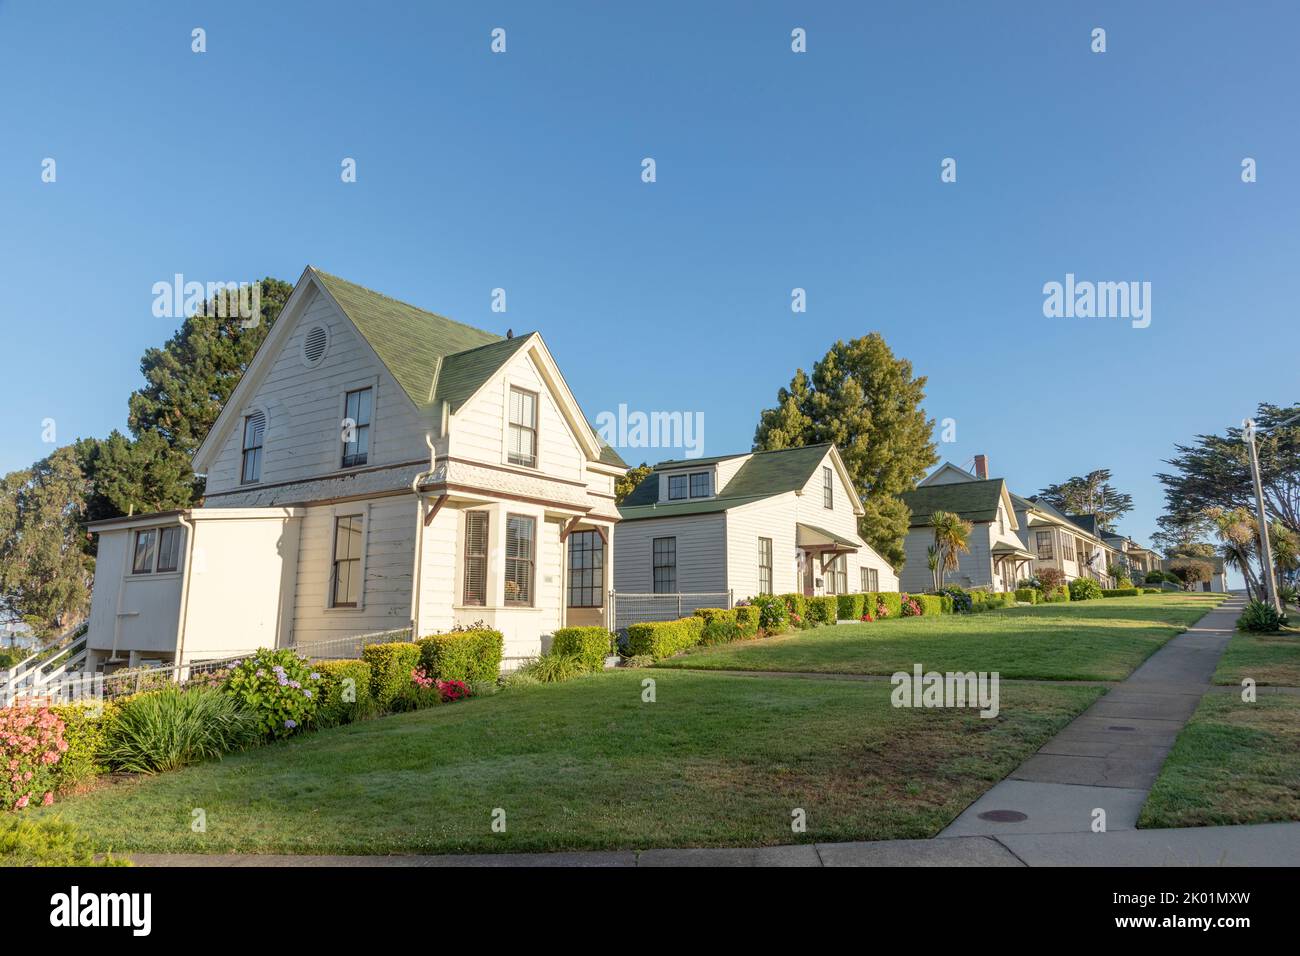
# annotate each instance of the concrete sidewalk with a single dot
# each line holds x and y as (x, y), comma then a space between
(1108, 758)
(1266, 844)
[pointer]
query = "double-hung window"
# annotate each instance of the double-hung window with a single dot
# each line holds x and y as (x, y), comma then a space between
(837, 576)
(254, 434)
(586, 569)
(345, 586)
(476, 555)
(828, 488)
(520, 554)
(1043, 540)
(356, 427)
(676, 487)
(870, 580)
(764, 565)
(699, 484)
(664, 554)
(523, 428)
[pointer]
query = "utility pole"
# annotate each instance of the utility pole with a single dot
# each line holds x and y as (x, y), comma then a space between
(1265, 551)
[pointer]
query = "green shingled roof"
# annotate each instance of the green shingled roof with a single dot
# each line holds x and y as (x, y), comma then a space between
(765, 475)
(971, 500)
(433, 358)
(410, 341)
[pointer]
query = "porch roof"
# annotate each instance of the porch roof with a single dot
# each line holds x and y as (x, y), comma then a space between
(1004, 550)
(812, 538)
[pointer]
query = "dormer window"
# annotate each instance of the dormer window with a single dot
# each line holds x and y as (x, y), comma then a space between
(676, 487)
(699, 484)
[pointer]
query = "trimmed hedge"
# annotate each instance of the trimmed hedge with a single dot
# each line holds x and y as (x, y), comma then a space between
(1028, 595)
(1120, 592)
(85, 729)
(747, 619)
(1149, 590)
(390, 669)
(720, 631)
(931, 604)
(849, 606)
(467, 656)
(715, 614)
(772, 613)
(795, 603)
(660, 639)
(822, 610)
(892, 599)
(589, 644)
(333, 708)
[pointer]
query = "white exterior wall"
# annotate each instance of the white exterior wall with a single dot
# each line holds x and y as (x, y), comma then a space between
(771, 518)
(841, 519)
(304, 410)
(389, 553)
(701, 553)
(132, 612)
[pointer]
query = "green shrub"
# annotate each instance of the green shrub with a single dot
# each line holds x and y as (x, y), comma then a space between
(47, 841)
(849, 607)
(796, 607)
(747, 619)
(1120, 592)
(280, 688)
(85, 729)
(1084, 589)
(555, 668)
(170, 728)
(931, 604)
(1155, 577)
(822, 610)
(715, 614)
(893, 602)
(661, 639)
(590, 644)
(772, 613)
(639, 660)
(720, 632)
(1056, 594)
(1028, 595)
(1261, 617)
(1149, 590)
(345, 692)
(390, 669)
(470, 655)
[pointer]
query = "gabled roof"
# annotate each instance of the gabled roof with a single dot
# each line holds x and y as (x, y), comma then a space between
(765, 474)
(413, 343)
(1087, 522)
(971, 500)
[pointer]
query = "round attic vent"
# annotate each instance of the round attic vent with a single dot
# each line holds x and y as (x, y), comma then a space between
(314, 345)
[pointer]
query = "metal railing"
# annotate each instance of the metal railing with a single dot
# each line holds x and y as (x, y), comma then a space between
(627, 608)
(349, 648)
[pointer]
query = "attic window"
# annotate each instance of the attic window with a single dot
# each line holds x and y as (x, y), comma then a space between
(314, 345)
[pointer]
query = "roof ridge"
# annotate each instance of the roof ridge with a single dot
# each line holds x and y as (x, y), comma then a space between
(488, 345)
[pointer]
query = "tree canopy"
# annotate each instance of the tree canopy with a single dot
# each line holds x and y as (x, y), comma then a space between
(1090, 494)
(868, 402)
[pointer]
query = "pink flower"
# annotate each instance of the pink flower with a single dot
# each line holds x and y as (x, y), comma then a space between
(48, 798)
(22, 802)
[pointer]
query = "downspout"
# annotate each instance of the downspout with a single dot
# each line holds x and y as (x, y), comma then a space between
(419, 538)
(185, 593)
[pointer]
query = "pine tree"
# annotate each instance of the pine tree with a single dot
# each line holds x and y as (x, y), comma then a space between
(868, 403)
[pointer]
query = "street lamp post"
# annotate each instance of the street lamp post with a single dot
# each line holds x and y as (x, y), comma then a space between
(1265, 550)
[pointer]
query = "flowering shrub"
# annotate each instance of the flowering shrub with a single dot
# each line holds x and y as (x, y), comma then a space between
(31, 743)
(910, 606)
(795, 619)
(772, 613)
(868, 618)
(453, 690)
(881, 610)
(279, 687)
(422, 679)
(961, 601)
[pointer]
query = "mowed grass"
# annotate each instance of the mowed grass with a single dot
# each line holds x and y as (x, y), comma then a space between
(1234, 762)
(1103, 639)
(713, 761)
(1264, 658)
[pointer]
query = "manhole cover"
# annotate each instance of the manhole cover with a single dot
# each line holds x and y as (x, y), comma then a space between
(1003, 816)
(1120, 727)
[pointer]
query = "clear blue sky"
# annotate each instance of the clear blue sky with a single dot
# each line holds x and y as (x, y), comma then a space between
(775, 170)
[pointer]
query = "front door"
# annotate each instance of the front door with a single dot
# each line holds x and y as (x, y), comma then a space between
(809, 561)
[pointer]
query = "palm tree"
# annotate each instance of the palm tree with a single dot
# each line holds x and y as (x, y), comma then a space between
(951, 538)
(932, 561)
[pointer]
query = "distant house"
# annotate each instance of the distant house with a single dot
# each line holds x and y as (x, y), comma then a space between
(1218, 582)
(997, 558)
(1068, 543)
(1140, 560)
(378, 467)
(768, 522)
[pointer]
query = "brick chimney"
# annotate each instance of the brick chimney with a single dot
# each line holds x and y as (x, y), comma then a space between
(981, 466)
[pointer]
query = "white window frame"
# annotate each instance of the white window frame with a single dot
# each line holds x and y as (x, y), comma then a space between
(506, 425)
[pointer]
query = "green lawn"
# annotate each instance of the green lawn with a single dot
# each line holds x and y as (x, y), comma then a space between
(714, 761)
(1265, 658)
(1103, 639)
(1233, 763)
